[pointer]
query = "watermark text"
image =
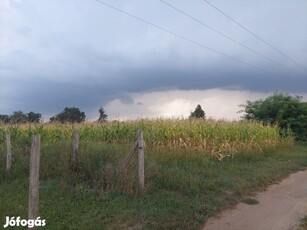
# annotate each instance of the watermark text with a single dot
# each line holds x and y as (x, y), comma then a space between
(16, 222)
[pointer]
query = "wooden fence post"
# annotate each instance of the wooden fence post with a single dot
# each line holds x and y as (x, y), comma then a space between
(75, 146)
(8, 153)
(141, 159)
(34, 177)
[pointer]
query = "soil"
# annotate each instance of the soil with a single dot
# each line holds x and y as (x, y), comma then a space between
(280, 207)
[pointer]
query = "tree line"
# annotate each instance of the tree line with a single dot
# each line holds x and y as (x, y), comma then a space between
(21, 117)
(69, 114)
(286, 111)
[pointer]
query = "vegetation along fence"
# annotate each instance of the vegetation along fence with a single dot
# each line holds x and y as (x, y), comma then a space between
(35, 164)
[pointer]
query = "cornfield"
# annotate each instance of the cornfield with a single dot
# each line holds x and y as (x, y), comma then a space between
(217, 138)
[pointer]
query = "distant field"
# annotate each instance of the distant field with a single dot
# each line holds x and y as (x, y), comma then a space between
(193, 169)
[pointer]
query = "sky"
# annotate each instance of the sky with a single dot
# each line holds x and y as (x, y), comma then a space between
(159, 63)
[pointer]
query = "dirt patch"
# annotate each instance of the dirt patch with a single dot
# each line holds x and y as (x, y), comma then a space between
(280, 207)
(250, 201)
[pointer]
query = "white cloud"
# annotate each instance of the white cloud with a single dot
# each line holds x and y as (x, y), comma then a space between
(217, 103)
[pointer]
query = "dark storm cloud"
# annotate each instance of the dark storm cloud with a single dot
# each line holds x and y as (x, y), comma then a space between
(189, 78)
(89, 55)
(48, 97)
(87, 78)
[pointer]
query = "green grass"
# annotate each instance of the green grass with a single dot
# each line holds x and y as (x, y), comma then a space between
(250, 201)
(183, 188)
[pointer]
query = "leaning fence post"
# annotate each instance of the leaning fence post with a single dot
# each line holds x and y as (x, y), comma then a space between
(34, 177)
(8, 153)
(75, 146)
(141, 159)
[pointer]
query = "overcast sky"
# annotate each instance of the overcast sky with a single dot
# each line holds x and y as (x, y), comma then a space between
(82, 53)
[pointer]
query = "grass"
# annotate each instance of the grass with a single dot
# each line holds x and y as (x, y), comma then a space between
(183, 187)
(250, 201)
(303, 224)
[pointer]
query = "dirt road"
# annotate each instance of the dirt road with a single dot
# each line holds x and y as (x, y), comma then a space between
(280, 207)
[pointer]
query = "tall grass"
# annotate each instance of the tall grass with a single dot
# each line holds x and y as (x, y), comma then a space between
(212, 137)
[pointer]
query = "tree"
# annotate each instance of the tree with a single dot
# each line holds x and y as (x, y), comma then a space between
(198, 113)
(282, 109)
(33, 117)
(18, 117)
(102, 115)
(69, 115)
(4, 118)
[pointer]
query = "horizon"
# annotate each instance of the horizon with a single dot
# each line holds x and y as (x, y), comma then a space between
(238, 116)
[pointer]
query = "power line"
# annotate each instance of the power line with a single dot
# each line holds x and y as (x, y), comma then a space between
(255, 35)
(181, 36)
(228, 37)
